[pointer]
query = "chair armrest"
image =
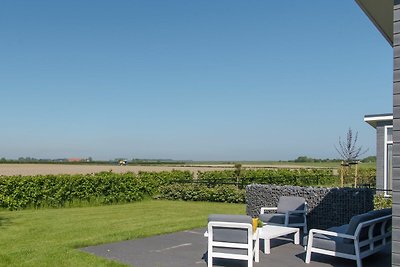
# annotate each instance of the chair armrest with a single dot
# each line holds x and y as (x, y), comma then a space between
(263, 209)
(293, 212)
(297, 212)
(330, 233)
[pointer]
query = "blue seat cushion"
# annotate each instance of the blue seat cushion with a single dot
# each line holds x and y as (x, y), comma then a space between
(278, 218)
(331, 243)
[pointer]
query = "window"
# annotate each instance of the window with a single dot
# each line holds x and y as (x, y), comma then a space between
(387, 170)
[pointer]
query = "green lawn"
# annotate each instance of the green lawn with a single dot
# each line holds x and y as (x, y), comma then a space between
(50, 237)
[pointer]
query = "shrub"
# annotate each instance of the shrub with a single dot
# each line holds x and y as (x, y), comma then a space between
(300, 177)
(154, 180)
(382, 202)
(198, 192)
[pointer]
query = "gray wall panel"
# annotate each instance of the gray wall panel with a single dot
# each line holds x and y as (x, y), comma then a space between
(396, 175)
(396, 63)
(396, 99)
(396, 75)
(395, 245)
(396, 88)
(396, 164)
(396, 39)
(379, 155)
(396, 49)
(396, 124)
(396, 194)
(396, 25)
(396, 236)
(396, 141)
(396, 259)
(396, 208)
(396, 15)
(396, 149)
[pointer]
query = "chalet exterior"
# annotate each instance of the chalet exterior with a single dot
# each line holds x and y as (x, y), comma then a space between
(385, 14)
(383, 123)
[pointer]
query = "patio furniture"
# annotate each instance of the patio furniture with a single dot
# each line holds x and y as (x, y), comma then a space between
(365, 235)
(232, 237)
(290, 212)
(268, 232)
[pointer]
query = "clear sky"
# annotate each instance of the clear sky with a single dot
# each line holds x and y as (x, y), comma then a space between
(200, 80)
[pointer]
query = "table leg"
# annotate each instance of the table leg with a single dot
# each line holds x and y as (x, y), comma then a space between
(267, 246)
(257, 250)
(297, 237)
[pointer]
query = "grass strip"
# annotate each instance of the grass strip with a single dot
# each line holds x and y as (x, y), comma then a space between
(50, 237)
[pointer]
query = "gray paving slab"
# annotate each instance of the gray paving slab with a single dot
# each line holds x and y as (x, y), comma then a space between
(189, 249)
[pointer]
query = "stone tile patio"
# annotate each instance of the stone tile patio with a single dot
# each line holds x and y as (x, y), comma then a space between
(189, 248)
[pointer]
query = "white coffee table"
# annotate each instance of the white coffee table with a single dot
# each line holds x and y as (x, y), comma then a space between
(268, 232)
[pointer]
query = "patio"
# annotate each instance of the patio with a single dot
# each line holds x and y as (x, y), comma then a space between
(189, 248)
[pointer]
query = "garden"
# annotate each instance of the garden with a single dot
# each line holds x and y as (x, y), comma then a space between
(45, 219)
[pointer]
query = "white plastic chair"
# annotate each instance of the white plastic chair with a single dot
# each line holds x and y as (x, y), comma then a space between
(232, 240)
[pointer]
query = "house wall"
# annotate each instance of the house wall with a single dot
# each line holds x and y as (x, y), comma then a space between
(396, 136)
(380, 139)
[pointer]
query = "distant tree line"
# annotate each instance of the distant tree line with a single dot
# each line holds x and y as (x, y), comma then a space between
(91, 161)
(36, 160)
(307, 159)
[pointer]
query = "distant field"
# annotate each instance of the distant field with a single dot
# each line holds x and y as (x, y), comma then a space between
(42, 169)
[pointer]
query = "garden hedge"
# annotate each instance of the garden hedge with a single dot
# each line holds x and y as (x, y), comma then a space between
(199, 192)
(300, 177)
(17, 192)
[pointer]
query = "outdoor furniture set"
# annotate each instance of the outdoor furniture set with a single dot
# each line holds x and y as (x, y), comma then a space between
(235, 236)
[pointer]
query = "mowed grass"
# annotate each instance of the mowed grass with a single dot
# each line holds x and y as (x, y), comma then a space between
(51, 237)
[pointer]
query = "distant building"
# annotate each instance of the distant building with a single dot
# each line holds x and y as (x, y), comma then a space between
(74, 159)
(383, 123)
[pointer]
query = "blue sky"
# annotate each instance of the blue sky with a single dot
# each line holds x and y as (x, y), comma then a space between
(200, 80)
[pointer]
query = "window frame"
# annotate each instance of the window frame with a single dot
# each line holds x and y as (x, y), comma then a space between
(385, 160)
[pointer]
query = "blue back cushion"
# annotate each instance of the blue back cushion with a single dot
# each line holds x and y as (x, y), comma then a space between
(232, 235)
(356, 220)
(290, 204)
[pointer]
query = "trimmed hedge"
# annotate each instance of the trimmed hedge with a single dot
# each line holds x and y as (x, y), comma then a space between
(154, 180)
(197, 192)
(299, 177)
(17, 192)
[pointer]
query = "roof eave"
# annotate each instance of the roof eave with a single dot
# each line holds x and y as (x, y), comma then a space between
(381, 14)
(374, 119)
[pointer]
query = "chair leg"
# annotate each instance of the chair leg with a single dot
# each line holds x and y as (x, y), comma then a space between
(308, 255)
(209, 260)
(309, 247)
(359, 262)
(358, 257)
(250, 262)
